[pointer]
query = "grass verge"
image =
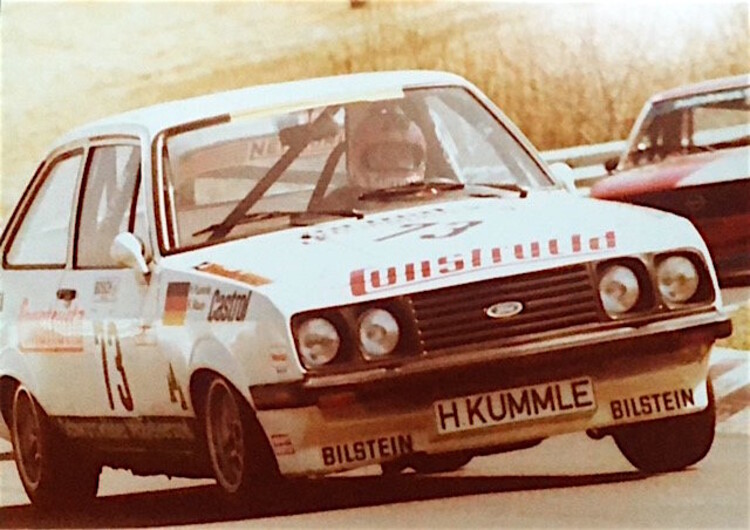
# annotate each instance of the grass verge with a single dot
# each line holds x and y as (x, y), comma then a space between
(740, 338)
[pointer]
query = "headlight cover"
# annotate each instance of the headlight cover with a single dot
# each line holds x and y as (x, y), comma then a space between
(678, 280)
(619, 290)
(378, 333)
(318, 341)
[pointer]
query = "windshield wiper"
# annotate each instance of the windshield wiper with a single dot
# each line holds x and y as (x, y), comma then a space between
(409, 189)
(295, 215)
(304, 218)
(247, 218)
(505, 186)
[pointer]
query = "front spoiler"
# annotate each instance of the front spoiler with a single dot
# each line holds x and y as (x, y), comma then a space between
(657, 345)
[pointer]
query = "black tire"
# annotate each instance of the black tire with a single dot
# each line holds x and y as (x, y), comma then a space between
(671, 444)
(240, 456)
(428, 464)
(54, 473)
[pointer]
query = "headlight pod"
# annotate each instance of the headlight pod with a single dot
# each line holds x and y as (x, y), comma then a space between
(378, 333)
(678, 280)
(619, 289)
(356, 336)
(318, 341)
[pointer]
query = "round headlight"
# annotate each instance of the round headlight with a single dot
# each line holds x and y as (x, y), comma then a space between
(678, 279)
(318, 342)
(619, 290)
(378, 333)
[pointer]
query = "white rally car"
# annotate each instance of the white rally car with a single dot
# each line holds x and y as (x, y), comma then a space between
(306, 278)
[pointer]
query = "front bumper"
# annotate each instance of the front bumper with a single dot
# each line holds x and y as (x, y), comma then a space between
(331, 423)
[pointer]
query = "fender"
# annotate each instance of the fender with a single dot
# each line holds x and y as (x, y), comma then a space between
(208, 353)
(13, 364)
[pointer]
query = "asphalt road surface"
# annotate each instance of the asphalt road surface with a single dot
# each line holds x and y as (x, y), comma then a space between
(568, 481)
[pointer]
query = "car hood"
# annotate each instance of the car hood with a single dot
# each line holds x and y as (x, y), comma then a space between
(431, 246)
(675, 172)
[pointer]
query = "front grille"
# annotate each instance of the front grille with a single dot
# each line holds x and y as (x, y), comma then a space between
(552, 300)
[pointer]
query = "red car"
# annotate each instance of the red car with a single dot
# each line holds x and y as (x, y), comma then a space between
(689, 153)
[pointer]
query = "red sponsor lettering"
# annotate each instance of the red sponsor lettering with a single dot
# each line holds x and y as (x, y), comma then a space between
(476, 258)
(50, 330)
(553, 249)
(576, 240)
(364, 281)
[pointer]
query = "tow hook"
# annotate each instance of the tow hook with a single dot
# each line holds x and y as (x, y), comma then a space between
(596, 434)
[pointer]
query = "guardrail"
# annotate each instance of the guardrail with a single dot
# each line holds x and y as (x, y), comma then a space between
(587, 161)
(585, 155)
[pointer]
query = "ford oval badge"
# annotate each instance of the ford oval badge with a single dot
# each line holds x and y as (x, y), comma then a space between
(504, 309)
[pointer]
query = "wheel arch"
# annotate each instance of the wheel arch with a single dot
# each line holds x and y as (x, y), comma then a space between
(14, 372)
(8, 386)
(211, 358)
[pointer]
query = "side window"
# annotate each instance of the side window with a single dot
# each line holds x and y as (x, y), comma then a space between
(108, 203)
(42, 239)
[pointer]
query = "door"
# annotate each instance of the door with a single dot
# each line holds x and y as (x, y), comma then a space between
(121, 376)
(47, 325)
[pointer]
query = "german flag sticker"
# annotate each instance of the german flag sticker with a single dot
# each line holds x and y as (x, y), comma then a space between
(175, 307)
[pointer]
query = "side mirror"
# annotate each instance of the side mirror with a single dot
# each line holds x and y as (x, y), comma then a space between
(611, 164)
(564, 173)
(128, 250)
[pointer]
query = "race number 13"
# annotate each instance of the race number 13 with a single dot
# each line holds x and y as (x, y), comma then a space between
(108, 342)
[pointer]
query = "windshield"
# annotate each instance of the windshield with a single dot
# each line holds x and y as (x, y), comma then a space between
(254, 174)
(693, 124)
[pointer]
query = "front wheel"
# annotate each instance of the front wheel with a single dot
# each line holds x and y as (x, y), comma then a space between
(240, 456)
(670, 444)
(53, 473)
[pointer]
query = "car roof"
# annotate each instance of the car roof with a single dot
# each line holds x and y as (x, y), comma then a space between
(711, 85)
(309, 92)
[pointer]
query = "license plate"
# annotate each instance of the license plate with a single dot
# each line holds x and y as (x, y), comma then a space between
(512, 405)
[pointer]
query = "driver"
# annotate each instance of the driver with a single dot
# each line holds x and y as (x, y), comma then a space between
(386, 150)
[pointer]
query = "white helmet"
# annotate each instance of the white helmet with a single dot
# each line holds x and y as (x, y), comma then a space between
(386, 149)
